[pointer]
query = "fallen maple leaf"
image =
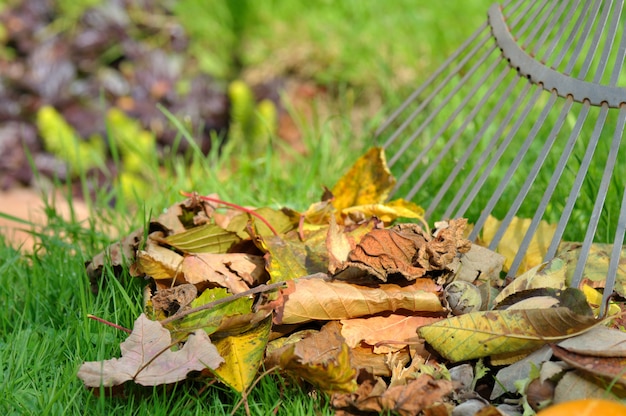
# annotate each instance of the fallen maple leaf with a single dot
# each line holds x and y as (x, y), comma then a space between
(147, 358)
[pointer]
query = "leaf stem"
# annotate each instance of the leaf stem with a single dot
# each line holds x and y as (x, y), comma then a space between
(230, 204)
(109, 323)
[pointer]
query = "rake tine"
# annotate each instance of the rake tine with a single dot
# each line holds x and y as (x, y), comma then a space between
(426, 174)
(618, 243)
(477, 139)
(441, 106)
(600, 198)
(549, 191)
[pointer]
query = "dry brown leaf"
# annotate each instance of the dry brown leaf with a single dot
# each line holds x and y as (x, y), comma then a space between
(600, 341)
(322, 359)
(171, 300)
(147, 358)
(318, 299)
(407, 250)
(611, 369)
(234, 271)
(158, 262)
(390, 331)
(406, 400)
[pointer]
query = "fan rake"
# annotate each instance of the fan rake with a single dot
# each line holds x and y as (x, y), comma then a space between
(532, 103)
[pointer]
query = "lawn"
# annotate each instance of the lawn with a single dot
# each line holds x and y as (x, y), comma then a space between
(366, 56)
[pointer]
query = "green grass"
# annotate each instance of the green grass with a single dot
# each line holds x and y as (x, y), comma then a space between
(44, 331)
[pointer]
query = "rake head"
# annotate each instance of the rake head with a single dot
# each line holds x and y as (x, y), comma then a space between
(533, 104)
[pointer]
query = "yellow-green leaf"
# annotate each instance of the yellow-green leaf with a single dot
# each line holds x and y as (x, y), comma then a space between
(243, 354)
(551, 274)
(211, 319)
(481, 334)
(369, 181)
(290, 258)
(207, 238)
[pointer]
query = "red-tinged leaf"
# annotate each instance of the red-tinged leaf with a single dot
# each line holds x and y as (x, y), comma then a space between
(609, 368)
(147, 358)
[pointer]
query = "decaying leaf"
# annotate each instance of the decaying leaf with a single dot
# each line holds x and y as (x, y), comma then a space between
(407, 250)
(481, 334)
(243, 354)
(609, 368)
(147, 358)
(576, 384)
(158, 262)
(171, 300)
(512, 239)
(390, 331)
(411, 399)
(318, 299)
(479, 263)
(234, 271)
(322, 359)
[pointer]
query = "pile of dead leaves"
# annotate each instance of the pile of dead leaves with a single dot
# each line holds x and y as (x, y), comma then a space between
(382, 317)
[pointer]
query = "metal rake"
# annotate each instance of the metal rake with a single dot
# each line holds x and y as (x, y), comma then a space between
(532, 103)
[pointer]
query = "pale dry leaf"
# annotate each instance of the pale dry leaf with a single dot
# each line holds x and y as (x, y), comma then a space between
(317, 299)
(599, 342)
(147, 358)
(393, 329)
(234, 271)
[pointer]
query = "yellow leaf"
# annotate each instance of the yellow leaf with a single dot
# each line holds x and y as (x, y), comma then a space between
(158, 262)
(369, 181)
(243, 354)
(387, 213)
(595, 300)
(597, 265)
(481, 334)
(207, 238)
(323, 359)
(512, 239)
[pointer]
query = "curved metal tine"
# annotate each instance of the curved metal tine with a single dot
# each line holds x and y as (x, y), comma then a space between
(618, 243)
(521, 154)
(434, 164)
(549, 191)
(408, 142)
(406, 103)
(600, 198)
(578, 182)
(460, 164)
(504, 124)
(569, 147)
(606, 177)
(532, 176)
(486, 152)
